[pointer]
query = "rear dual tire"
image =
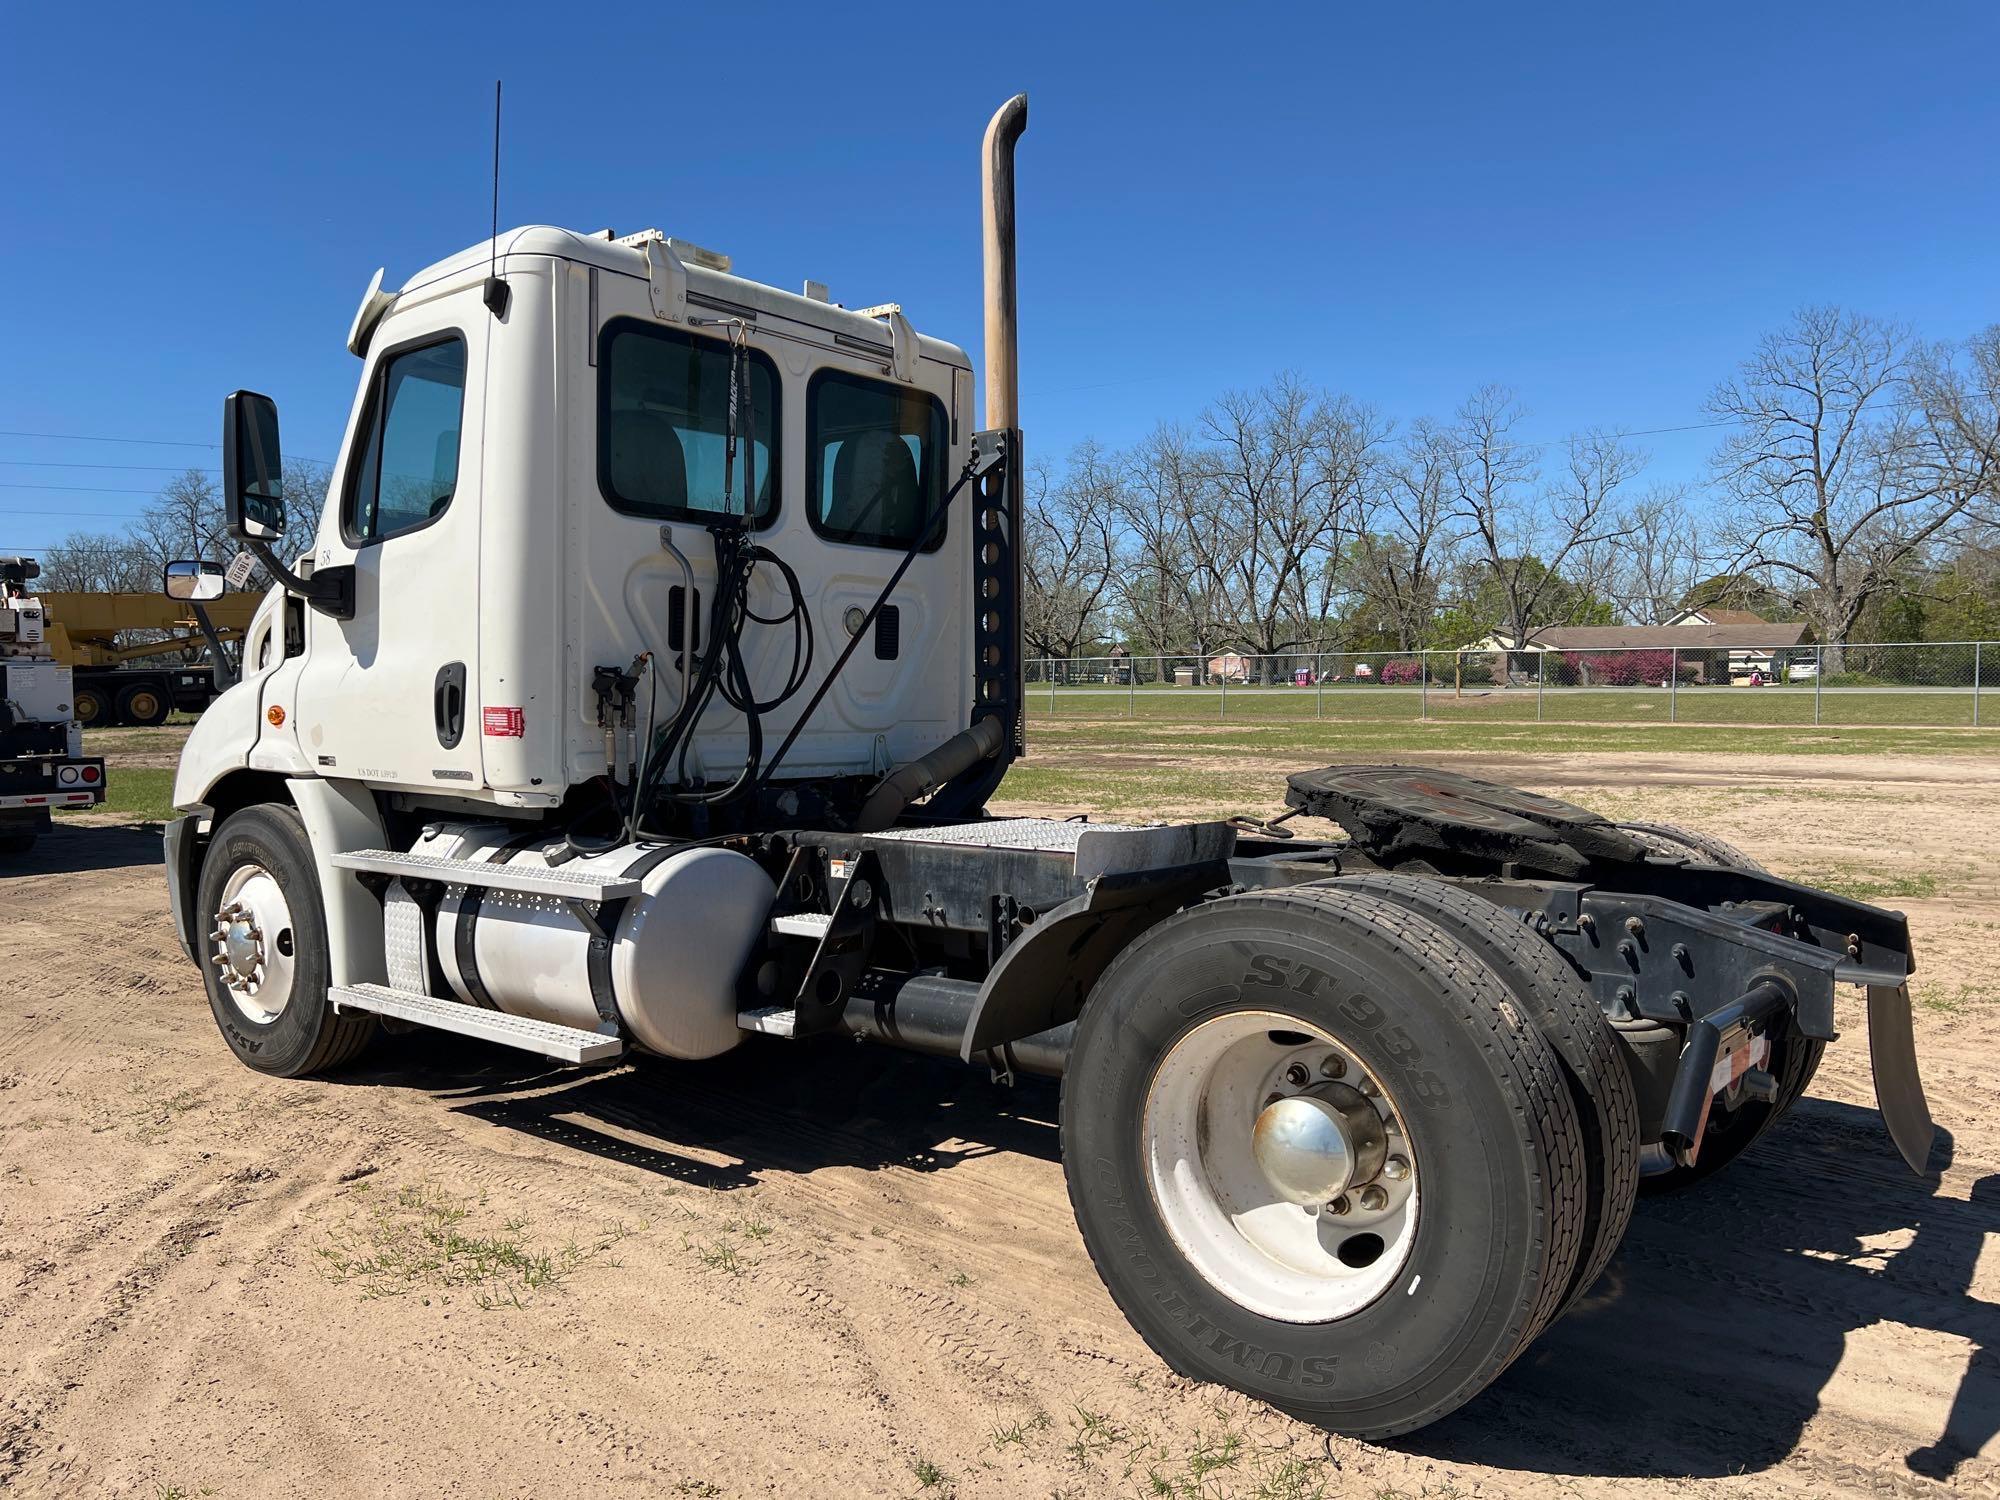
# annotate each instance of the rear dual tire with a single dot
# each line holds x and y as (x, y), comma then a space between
(1465, 1082)
(1599, 1081)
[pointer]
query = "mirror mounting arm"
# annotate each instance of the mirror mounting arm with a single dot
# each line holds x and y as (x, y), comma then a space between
(329, 590)
(225, 675)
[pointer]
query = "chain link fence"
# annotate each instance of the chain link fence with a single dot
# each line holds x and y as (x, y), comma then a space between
(1947, 683)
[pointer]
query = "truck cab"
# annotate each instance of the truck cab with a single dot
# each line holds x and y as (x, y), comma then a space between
(520, 512)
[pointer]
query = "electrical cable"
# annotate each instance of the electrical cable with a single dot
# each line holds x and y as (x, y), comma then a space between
(923, 540)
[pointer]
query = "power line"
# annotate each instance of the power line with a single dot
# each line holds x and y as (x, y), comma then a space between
(44, 463)
(77, 489)
(97, 437)
(87, 437)
(112, 515)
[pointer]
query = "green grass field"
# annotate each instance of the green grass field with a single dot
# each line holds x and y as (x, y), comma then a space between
(1144, 765)
(1389, 737)
(1791, 705)
(135, 795)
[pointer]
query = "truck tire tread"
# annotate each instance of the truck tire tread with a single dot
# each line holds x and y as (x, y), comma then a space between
(1523, 1068)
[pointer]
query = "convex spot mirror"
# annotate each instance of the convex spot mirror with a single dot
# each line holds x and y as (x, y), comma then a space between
(193, 580)
(253, 484)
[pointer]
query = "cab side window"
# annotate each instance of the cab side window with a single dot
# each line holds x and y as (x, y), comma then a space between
(405, 469)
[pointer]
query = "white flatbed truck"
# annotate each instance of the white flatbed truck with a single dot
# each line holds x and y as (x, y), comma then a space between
(42, 764)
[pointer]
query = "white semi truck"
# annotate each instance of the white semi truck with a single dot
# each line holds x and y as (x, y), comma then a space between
(643, 692)
(42, 764)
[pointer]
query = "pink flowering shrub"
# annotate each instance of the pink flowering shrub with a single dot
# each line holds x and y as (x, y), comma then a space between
(1405, 673)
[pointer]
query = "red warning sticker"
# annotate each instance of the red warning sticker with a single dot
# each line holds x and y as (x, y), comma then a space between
(504, 723)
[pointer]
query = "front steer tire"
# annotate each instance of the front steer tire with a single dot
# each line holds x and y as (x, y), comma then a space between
(1497, 1182)
(306, 1035)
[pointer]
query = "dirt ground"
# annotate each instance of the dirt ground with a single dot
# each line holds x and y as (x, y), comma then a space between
(835, 1270)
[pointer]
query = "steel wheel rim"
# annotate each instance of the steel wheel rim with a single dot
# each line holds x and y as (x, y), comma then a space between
(1294, 1262)
(253, 945)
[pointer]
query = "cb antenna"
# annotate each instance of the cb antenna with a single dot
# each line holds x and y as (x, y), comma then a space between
(496, 293)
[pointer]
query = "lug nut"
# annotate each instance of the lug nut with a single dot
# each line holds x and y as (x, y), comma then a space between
(1374, 1197)
(1332, 1066)
(1297, 1075)
(1340, 1205)
(1396, 1168)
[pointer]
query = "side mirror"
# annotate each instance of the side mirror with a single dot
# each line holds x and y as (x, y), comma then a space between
(253, 484)
(196, 581)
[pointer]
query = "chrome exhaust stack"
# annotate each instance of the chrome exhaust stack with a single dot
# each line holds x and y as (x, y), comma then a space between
(996, 180)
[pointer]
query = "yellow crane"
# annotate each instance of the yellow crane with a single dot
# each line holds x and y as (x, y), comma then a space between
(137, 657)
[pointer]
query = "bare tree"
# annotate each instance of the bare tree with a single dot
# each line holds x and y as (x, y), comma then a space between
(1405, 542)
(1958, 393)
(1839, 476)
(1166, 594)
(184, 520)
(1068, 546)
(1527, 529)
(1648, 573)
(1284, 468)
(94, 562)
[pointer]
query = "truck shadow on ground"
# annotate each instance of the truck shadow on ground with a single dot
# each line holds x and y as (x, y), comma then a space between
(1703, 1352)
(72, 849)
(1706, 1348)
(766, 1107)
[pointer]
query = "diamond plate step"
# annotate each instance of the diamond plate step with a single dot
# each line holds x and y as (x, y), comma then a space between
(566, 1043)
(812, 924)
(529, 880)
(772, 1020)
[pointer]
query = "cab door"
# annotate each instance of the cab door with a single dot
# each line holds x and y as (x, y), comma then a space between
(385, 696)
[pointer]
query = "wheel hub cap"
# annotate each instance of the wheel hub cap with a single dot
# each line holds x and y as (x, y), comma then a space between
(1281, 1166)
(242, 946)
(1312, 1146)
(251, 944)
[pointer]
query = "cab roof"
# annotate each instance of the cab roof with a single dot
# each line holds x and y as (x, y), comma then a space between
(609, 254)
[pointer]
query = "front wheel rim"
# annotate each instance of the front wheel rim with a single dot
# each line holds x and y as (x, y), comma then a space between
(253, 945)
(1280, 1166)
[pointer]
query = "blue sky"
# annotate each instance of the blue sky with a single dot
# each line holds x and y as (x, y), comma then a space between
(1603, 206)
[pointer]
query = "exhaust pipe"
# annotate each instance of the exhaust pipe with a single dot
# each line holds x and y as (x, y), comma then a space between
(996, 180)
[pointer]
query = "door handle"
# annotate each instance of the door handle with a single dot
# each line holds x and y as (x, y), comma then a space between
(448, 704)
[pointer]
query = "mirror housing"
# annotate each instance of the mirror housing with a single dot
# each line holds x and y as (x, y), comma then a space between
(253, 470)
(194, 580)
(253, 502)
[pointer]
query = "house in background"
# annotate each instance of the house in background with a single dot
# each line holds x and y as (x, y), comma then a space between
(1718, 617)
(1718, 652)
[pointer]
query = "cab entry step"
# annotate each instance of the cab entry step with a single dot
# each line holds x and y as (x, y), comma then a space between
(528, 880)
(565, 1043)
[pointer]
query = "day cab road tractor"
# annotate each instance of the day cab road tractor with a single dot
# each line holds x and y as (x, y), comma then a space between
(42, 764)
(643, 693)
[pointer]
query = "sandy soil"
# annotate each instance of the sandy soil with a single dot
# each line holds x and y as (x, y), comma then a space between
(840, 1271)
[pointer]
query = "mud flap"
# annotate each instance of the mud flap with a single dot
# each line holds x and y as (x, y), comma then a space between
(1899, 1092)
